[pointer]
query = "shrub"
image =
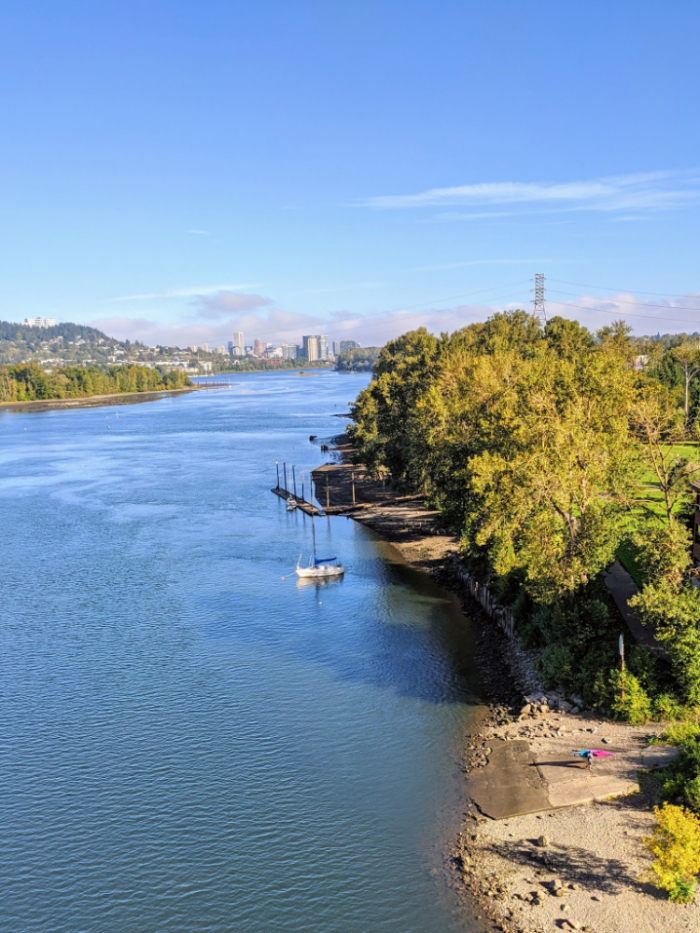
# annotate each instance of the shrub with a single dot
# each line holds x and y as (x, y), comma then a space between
(557, 666)
(630, 700)
(676, 845)
(667, 708)
(678, 733)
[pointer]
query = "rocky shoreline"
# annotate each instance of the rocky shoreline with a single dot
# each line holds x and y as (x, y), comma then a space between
(559, 867)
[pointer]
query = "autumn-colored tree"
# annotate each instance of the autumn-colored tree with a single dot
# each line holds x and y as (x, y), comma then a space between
(676, 845)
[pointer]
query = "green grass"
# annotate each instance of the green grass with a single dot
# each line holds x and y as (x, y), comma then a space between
(651, 500)
(649, 492)
(626, 556)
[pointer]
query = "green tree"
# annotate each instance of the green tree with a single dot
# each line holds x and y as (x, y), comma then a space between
(659, 427)
(668, 603)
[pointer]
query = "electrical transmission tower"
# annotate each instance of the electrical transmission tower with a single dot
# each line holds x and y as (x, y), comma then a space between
(539, 310)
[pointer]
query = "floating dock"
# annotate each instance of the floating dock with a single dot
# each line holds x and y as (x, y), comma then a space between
(301, 503)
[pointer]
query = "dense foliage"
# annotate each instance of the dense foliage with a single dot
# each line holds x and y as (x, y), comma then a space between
(551, 451)
(29, 382)
(360, 360)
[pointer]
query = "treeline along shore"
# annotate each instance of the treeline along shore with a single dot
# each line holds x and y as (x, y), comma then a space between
(29, 382)
(554, 455)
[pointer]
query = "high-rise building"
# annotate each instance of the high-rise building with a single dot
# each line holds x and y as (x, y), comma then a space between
(310, 345)
(221, 350)
(290, 351)
(258, 347)
(238, 339)
(336, 348)
(247, 350)
(205, 347)
(322, 347)
(346, 345)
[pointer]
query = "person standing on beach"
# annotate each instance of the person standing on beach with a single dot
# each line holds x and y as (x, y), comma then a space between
(584, 753)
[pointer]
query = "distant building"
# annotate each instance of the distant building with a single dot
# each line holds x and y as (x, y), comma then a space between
(322, 347)
(221, 350)
(248, 350)
(336, 348)
(238, 340)
(39, 322)
(205, 367)
(290, 351)
(205, 347)
(273, 353)
(309, 347)
(258, 348)
(346, 345)
(193, 348)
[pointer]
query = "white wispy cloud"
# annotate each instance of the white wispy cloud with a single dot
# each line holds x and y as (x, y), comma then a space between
(185, 292)
(200, 232)
(644, 191)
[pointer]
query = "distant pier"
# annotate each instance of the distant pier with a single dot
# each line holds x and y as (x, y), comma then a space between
(301, 503)
(283, 480)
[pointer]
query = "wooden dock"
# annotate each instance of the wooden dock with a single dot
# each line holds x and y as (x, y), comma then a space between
(301, 503)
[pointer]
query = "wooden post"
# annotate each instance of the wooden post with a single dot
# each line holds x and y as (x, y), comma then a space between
(328, 500)
(277, 464)
(284, 467)
(352, 479)
(302, 485)
(294, 479)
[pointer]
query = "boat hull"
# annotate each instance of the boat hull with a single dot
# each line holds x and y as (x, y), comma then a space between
(320, 573)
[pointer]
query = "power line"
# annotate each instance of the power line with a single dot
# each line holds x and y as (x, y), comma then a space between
(610, 288)
(645, 304)
(649, 317)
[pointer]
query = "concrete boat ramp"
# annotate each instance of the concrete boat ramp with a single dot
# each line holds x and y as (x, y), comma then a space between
(523, 776)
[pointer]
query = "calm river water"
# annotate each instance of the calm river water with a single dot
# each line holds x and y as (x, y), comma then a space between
(190, 740)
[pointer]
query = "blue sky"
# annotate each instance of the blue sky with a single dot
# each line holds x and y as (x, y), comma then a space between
(172, 171)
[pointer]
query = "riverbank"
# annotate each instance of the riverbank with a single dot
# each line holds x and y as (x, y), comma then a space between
(94, 401)
(566, 852)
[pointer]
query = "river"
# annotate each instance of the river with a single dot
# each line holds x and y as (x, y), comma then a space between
(190, 739)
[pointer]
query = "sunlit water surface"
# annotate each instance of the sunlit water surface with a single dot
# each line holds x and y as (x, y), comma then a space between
(190, 740)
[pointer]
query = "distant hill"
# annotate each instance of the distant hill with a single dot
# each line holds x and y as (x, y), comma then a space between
(62, 343)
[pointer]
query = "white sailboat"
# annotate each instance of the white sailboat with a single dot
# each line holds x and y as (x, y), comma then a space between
(319, 568)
